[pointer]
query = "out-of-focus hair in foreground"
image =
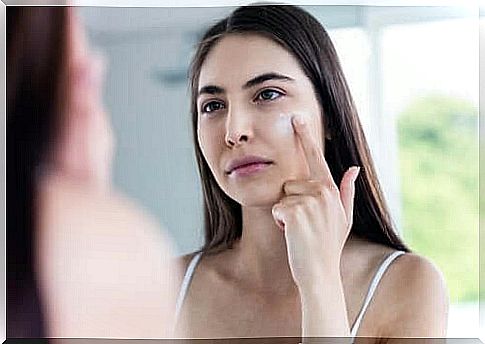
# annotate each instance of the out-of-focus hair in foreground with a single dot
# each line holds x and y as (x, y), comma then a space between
(82, 259)
(36, 80)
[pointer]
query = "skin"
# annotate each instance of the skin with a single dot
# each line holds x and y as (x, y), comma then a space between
(86, 140)
(103, 264)
(295, 271)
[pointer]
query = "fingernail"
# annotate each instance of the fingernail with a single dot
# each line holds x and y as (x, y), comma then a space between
(356, 172)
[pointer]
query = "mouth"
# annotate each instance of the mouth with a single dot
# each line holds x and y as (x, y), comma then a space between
(247, 165)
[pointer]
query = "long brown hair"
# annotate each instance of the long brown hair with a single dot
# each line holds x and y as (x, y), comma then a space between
(36, 78)
(306, 39)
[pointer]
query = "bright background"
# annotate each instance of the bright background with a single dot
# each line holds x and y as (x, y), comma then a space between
(413, 72)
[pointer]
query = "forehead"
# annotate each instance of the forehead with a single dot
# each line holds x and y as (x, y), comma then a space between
(237, 58)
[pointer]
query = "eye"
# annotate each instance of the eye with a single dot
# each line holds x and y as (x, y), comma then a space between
(212, 106)
(268, 95)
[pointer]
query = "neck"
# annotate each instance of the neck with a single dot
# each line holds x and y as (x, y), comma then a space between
(261, 255)
(261, 251)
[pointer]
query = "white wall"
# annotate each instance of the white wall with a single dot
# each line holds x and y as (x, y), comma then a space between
(155, 162)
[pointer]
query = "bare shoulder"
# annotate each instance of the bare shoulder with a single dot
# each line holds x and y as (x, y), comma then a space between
(363, 256)
(100, 254)
(416, 268)
(413, 275)
(414, 298)
(182, 262)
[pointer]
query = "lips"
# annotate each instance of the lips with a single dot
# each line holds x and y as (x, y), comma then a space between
(246, 161)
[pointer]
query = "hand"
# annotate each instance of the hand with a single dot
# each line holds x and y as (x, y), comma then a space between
(315, 215)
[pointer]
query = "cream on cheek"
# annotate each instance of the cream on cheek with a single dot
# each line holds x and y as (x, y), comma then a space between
(277, 129)
(281, 124)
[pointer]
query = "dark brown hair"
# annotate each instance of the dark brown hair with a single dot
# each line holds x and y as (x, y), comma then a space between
(36, 74)
(306, 39)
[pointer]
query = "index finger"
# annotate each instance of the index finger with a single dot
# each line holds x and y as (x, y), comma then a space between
(317, 164)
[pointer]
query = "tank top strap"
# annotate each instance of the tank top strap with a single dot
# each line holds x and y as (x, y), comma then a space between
(189, 273)
(370, 293)
(372, 288)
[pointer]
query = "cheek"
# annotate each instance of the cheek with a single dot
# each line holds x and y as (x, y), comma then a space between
(279, 126)
(279, 130)
(282, 125)
(204, 138)
(209, 139)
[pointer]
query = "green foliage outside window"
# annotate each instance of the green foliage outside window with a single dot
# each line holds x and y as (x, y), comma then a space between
(438, 154)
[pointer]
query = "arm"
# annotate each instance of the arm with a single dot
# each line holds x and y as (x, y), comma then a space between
(328, 295)
(315, 217)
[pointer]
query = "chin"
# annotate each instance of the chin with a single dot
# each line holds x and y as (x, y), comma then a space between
(266, 195)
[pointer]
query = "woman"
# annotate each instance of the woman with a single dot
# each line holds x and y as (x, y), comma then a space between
(82, 259)
(297, 232)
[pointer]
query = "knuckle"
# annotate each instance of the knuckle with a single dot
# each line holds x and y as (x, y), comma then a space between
(313, 204)
(289, 185)
(332, 188)
(319, 188)
(315, 152)
(298, 210)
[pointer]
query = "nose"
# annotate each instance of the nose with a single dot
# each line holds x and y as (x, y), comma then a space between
(239, 128)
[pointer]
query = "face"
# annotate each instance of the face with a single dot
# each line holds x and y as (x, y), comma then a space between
(249, 89)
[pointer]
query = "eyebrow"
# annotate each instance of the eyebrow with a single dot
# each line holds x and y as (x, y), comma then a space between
(212, 89)
(265, 77)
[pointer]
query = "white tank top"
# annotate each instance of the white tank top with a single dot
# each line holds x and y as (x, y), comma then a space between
(355, 327)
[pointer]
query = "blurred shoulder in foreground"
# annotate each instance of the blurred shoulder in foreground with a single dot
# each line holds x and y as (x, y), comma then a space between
(105, 266)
